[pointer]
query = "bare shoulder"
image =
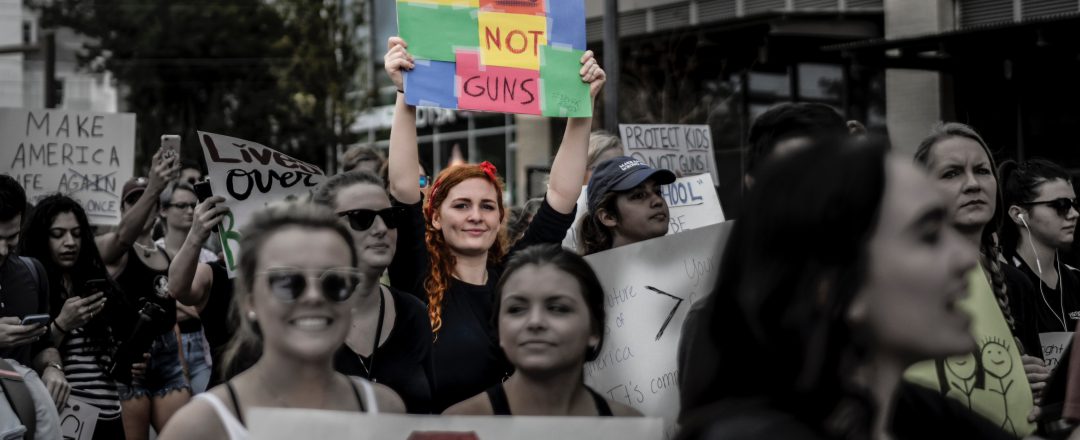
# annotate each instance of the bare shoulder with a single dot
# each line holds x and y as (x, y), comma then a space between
(197, 419)
(478, 405)
(620, 410)
(388, 399)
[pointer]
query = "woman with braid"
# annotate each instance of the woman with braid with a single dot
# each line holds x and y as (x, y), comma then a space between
(992, 379)
(451, 249)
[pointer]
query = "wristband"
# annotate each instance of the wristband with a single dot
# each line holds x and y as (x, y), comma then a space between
(58, 327)
(55, 365)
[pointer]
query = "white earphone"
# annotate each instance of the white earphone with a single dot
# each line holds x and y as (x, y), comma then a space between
(1038, 265)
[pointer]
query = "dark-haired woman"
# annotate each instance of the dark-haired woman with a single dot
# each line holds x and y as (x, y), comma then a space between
(625, 204)
(451, 253)
(549, 308)
(60, 237)
(1042, 212)
(295, 292)
(990, 380)
(833, 323)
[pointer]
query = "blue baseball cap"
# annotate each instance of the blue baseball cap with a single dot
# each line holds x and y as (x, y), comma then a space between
(622, 173)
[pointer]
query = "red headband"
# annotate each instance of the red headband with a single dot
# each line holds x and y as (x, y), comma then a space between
(487, 167)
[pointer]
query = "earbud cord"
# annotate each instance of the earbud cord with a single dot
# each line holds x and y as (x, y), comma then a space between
(1038, 265)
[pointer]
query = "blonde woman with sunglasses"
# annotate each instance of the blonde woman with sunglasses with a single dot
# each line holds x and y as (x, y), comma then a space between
(295, 294)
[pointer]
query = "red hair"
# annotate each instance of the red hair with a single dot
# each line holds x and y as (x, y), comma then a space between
(442, 260)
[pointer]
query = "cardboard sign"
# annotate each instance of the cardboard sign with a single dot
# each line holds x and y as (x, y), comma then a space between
(290, 424)
(650, 287)
(249, 176)
(85, 156)
(511, 56)
(684, 149)
(1053, 346)
(692, 203)
(78, 420)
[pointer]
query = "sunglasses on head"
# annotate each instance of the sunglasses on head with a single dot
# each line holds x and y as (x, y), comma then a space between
(288, 284)
(1061, 206)
(361, 219)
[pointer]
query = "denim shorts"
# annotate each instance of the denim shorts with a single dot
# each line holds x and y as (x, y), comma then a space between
(197, 355)
(164, 373)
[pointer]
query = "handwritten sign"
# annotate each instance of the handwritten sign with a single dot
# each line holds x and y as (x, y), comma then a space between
(1053, 346)
(85, 156)
(512, 56)
(78, 420)
(650, 287)
(692, 204)
(249, 176)
(685, 149)
(282, 424)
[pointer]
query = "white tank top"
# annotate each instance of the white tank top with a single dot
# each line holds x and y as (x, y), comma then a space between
(237, 431)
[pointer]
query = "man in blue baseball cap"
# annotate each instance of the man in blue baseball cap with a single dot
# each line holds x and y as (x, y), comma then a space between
(624, 204)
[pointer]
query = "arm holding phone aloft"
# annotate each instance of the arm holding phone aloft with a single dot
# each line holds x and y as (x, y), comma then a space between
(189, 280)
(115, 245)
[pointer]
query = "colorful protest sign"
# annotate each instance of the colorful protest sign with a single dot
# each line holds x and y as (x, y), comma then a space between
(78, 420)
(85, 156)
(685, 149)
(692, 203)
(249, 176)
(648, 294)
(510, 56)
(1053, 346)
(282, 424)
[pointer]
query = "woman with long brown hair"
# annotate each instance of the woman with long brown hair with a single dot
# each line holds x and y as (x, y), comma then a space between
(450, 254)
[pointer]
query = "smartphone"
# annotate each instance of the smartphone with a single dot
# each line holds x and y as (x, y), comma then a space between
(98, 285)
(202, 190)
(35, 319)
(170, 146)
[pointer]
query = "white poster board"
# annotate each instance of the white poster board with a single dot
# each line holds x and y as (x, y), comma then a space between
(83, 155)
(692, 203)
(684, 149)
(78, 420)
(249, 176)
(650, 287)
(291, 424)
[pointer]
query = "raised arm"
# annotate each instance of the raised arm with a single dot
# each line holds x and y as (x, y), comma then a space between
(568, 168)
(189, 280)
(114, 245)
(404, 174)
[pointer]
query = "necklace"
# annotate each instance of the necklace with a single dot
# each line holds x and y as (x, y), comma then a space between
(368, 370)
(147, 251)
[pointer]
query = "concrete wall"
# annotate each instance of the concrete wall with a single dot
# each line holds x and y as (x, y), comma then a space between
(11, 66)
(533, 149)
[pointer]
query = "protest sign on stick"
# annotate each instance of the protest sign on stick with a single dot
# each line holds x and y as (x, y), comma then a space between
(85, 156)
(249, 176)
(649, 288)
(282, 424)
(692, 203)
(511, 56)
(684, 149)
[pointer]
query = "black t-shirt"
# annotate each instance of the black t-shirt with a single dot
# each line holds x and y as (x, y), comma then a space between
(1042, 311)
(403, 362)
(921, 413)
(142, 284)
(20, 296)
(466, 354)
(215, 317)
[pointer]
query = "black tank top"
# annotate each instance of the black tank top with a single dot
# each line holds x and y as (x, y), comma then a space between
(500, 405)
(141, 283)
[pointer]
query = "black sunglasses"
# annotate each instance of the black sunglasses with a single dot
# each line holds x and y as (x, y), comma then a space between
(287, 284)
(361, 219)
(1061, 205)
(181, 206)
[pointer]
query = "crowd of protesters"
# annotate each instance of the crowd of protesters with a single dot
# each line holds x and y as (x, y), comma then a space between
(868, 287)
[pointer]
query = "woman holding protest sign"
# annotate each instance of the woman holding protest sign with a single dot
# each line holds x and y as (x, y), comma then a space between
(549, 309)
(834, 322)
(450, 253)
(625, 204)
(294, 298)
(390, 338)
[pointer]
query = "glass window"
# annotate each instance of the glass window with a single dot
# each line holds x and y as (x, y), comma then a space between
(821, 82)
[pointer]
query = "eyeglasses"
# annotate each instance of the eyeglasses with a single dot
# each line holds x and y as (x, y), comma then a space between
(361, 219)
(288, 284)
(1062, 205)
(425, 181)
(182, 206)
